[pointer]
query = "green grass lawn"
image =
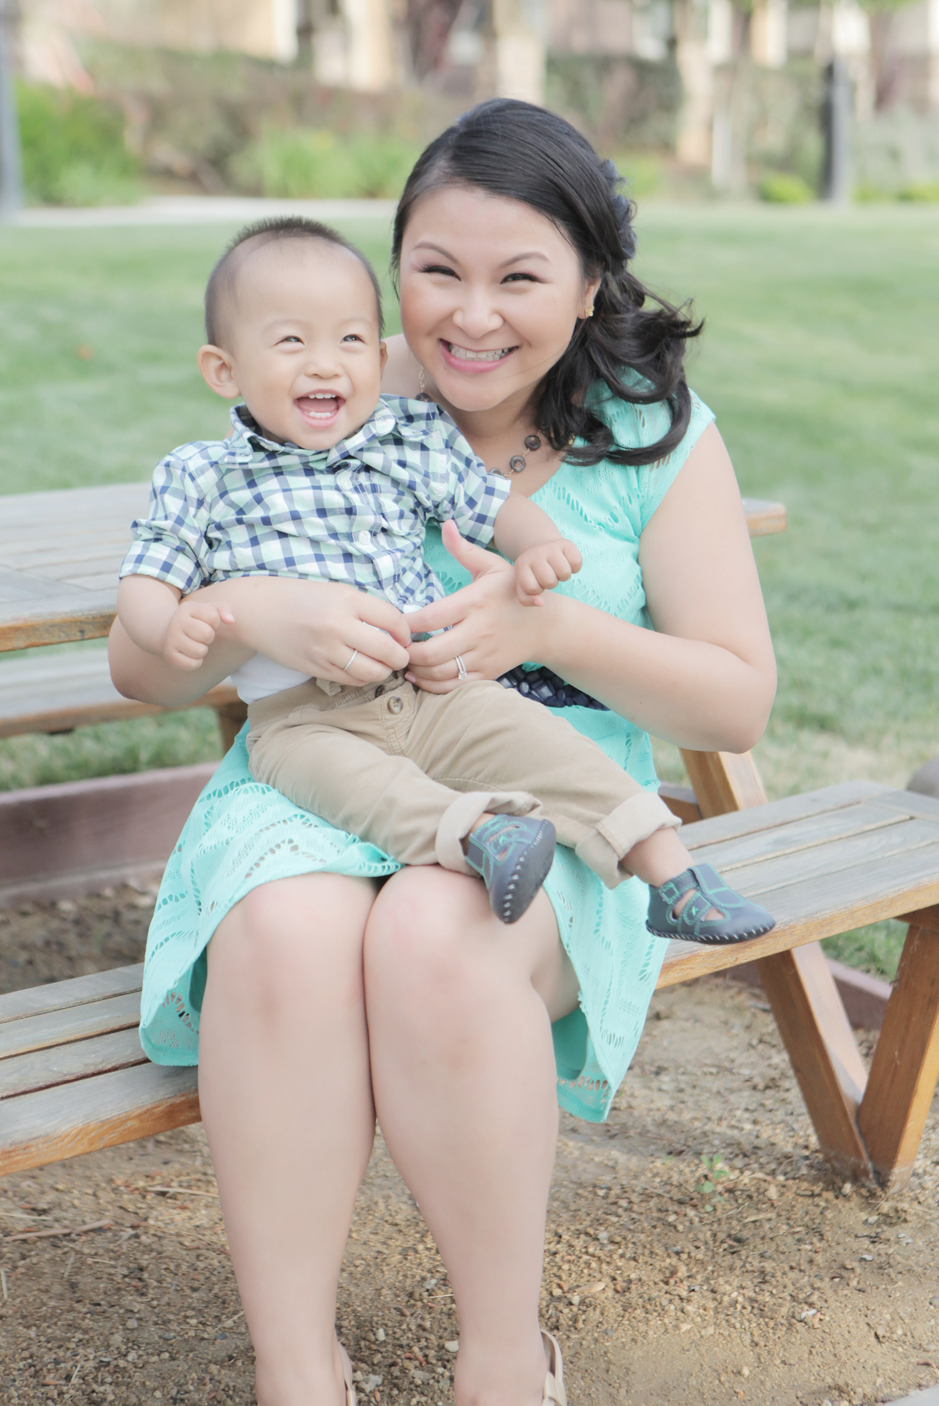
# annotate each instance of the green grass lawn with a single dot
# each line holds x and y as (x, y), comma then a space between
(818, 357)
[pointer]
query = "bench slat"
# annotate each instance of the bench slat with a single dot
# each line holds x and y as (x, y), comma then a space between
(737, 823)
(871, 847)
(104, 1111)
(75, 991)
(811, 910)
(62, 1064)
(799, 834)
(37, 1032)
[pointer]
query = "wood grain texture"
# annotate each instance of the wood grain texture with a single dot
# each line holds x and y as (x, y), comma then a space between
(37, 1032)
(53, 1124)
(62, 1064)
(681, 801)
(905, 1066)
(822, 907)
(764, 518)
(801, 834)
(724, 781)
(824, 1055)
(774, 813)
(76, 991)
(54, 693)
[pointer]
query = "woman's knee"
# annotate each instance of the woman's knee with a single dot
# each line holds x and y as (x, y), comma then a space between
(291, 941)
(433, 945)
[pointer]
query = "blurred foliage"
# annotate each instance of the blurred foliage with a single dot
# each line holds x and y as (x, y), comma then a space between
(897, 156)
(310, 163)
(783, 188)
(875, 949)
(618, 101)
(74, 152)
(212, 118)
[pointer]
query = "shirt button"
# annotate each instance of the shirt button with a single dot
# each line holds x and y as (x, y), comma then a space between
(364, 538)
(395, 704)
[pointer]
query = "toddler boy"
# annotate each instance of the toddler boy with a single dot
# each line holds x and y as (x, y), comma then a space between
(323, 478)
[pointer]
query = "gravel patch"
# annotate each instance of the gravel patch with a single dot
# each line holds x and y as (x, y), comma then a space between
(698, 1250)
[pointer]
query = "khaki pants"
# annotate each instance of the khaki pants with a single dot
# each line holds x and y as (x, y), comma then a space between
(383, 761)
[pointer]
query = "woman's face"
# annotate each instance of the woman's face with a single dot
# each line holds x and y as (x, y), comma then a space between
(491, 293)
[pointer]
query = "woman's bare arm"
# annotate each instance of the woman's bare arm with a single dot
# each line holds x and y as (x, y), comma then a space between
(311, 626)
(705, 679)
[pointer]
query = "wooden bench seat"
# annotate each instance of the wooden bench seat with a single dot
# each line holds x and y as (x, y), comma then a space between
(59, 692)
(73, 1077)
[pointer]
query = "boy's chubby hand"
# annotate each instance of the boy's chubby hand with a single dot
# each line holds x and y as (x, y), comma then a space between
(539, 569)
(191, 630)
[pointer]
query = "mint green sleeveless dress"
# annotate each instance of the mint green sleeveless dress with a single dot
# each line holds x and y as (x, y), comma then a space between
(241, 833)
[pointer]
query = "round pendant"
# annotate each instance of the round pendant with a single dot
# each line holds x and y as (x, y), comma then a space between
(425, 397)
(517, 463)
(532, 442)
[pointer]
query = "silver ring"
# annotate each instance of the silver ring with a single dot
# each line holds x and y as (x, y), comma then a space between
(347, 667)
(460, 667)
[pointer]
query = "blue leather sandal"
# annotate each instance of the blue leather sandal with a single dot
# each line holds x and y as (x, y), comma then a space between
(513, 853)
(740, 919)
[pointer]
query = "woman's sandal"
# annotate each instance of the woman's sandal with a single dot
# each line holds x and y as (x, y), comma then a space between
(739, 918)
(554, 1392)
(513, 853)
(347, 1377)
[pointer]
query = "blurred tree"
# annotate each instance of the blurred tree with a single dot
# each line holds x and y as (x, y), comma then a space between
(428, 28)
(11, 172)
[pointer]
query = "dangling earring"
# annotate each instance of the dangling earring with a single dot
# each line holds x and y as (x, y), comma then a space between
(422, 388)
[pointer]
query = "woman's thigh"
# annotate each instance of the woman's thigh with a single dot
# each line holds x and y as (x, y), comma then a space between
(431, 935)
(288, 941)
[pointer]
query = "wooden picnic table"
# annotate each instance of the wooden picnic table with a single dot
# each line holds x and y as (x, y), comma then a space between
(73, 1077)
(60, 553)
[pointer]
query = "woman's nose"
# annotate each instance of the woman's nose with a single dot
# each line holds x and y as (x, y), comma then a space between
(477, 315)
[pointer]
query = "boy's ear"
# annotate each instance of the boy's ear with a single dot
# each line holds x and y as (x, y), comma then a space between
(383, 355)
(218, 371)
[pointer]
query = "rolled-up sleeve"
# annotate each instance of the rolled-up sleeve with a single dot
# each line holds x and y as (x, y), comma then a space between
(169, 543)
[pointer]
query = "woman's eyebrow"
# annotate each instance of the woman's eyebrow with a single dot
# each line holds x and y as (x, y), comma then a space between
(515, 258)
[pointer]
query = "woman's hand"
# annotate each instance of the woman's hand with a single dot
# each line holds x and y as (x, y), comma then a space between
(489, 628)
(321, 628)
(315, 627)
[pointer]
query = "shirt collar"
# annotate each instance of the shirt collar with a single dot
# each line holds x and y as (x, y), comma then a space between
(249, 439)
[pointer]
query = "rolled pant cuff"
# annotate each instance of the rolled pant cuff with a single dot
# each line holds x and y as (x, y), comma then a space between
(460, 817)
(603, 848)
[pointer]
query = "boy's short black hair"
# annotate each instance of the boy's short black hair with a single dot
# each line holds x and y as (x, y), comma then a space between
(272, 231)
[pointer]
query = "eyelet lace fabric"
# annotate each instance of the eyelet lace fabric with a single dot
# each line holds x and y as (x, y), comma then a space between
(242, 834)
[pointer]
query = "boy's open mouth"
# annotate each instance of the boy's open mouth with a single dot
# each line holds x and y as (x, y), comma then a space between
(320, 407)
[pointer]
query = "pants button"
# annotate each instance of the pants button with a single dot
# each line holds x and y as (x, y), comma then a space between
(395, 704)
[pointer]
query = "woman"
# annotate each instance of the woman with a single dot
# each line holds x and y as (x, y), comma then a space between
(325, 999)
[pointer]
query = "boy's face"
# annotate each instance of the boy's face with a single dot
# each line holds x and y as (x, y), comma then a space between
(302, 343)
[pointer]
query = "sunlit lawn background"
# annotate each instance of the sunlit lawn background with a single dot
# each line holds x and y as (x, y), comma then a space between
(819, 358)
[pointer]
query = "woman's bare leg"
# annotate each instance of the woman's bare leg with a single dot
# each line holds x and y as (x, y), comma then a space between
(464, 1081)
(287, 1106)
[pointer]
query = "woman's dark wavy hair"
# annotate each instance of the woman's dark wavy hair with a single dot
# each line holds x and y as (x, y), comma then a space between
(514, 149)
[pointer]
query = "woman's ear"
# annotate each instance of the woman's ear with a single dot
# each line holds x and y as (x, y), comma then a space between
(591, 289)
(218, 371)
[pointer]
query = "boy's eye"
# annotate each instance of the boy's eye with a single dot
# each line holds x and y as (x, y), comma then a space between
(353, 337)
(291, 338)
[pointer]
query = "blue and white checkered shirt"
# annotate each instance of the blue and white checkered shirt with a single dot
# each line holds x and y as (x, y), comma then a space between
(248, 506)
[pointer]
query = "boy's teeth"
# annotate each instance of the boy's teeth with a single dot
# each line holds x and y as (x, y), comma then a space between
(463, 353)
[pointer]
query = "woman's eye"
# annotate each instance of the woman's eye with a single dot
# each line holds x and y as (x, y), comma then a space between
(438, 268)
(520, 278)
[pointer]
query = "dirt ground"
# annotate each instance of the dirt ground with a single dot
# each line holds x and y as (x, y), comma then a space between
(671, 1279)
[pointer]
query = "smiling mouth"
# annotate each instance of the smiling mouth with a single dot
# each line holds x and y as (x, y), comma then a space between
(464, 353)
(323, 405)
